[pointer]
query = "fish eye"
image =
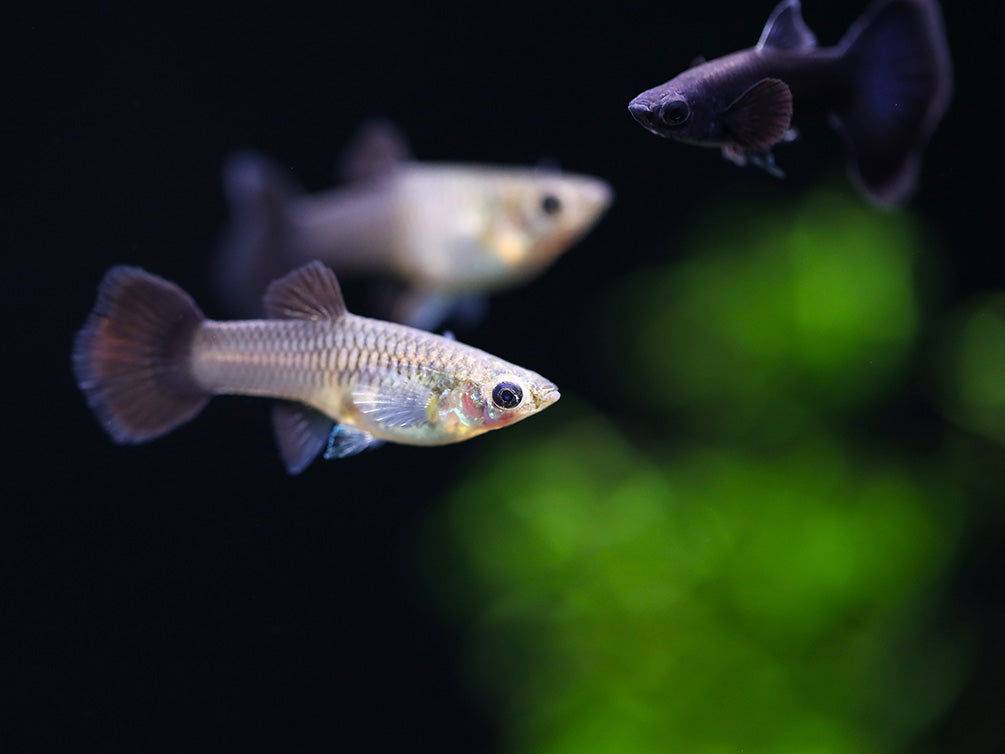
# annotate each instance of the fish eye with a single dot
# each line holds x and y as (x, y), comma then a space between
(550, 204)
(675, 112)
(507, 395)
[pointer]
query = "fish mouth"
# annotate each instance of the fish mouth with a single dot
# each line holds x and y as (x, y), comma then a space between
(641, 111)
(548, 396)
(600, 196)
(647, 115)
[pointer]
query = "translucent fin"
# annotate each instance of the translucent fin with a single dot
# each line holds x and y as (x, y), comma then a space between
(405, 404)
(470, 310)
(131, 358)
(348, 441)
(760, 117)
(766, 162)
(786, 30)
(423, 309)
(301, 433)
(257, 246)
(428, 311)
(309, 292)
(377, 147)
(548, 166)
(901, 71)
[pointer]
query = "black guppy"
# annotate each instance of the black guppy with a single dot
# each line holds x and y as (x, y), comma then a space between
(885, 86)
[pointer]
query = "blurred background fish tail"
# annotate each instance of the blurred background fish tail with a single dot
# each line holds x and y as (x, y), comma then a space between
(900, 83)
(257, 246)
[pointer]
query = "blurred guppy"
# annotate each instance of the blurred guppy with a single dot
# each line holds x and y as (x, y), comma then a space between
(148, 360)
(885, 86)
(447, 231)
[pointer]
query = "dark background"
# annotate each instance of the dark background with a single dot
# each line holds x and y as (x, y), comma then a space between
(188, 594)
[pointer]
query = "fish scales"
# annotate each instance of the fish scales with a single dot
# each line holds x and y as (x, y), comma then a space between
(299, 360)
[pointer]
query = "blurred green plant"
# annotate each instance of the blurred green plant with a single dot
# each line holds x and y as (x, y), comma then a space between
(713, 601)
(972, 368)
(718, 595)
(774, 316)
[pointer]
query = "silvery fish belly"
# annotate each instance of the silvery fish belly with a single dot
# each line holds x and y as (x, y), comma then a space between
(147, 360)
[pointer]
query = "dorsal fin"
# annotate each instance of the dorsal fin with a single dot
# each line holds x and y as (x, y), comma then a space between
(375, 149)
(760, 116)
(309, 292)
(786, 29)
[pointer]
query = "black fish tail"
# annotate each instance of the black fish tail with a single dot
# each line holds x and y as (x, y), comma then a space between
(901, 83)
(256, 248)
(131, 358)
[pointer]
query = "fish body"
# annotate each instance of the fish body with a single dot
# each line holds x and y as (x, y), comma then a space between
(148, 360)
(447, 231)
(885, 86)
(453, 228)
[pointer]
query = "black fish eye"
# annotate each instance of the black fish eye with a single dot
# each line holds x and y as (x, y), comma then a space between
(507, 395)
(550, 204)
(675, 112)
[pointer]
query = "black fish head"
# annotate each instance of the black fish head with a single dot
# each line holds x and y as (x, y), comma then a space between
(675, 112)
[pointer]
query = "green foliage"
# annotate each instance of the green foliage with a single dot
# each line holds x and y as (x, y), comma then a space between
(973, 368)
(774, 316)
(717, 600)
(723, 594)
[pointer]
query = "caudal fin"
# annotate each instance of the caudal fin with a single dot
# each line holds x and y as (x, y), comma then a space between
(256, 247)
(901, 79)
(131, 357)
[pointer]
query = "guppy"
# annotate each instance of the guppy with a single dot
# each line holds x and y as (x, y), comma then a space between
(148, 360)
(885, 86)
(448, 232)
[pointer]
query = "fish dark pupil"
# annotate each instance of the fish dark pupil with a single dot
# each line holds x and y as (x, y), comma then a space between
(550, 204)
(507, 395)
(675, 113)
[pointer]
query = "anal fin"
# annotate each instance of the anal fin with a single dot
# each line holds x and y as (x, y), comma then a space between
(301, 433)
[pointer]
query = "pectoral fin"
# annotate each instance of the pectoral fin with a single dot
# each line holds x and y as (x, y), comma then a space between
(402, 404)
(760, 117)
